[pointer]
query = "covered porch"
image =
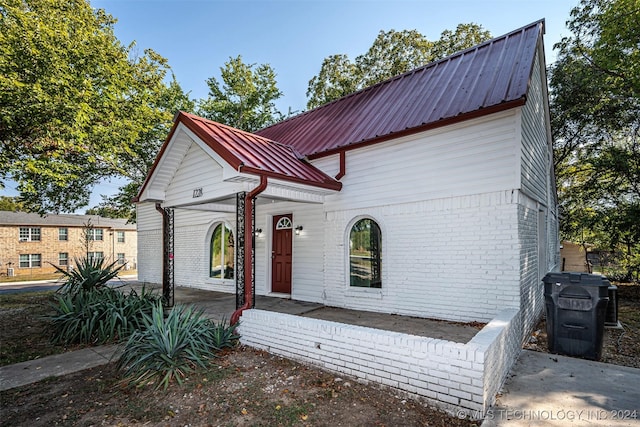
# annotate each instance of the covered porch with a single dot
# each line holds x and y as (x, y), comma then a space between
(220, 306)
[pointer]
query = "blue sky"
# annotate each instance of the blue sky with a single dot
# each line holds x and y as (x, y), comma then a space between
(294, 36)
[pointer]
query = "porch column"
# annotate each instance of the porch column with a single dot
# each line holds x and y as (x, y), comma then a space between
(168, 293)
(241, 252)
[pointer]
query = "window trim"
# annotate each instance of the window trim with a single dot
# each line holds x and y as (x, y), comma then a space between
(92, 232)
(359, 290)
(30, 261)
(118, 234)
(27, 234)
(66, 234)
(66, 258)
(92, 255)
(209, 242)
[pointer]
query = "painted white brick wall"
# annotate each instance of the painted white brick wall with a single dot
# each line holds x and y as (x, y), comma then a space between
(451, 375)
(531, 288)
(434, 252)
(150, 256)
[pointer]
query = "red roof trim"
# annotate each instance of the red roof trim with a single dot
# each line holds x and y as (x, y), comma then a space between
(269, 158)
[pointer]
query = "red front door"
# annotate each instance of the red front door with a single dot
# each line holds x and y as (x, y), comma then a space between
(281, 254)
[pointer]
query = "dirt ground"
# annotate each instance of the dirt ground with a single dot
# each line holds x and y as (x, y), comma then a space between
(244, 388)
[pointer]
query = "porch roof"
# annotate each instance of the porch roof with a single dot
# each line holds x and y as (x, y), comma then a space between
(249, 153)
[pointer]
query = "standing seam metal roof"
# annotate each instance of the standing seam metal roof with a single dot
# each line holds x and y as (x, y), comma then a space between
(254, 154)
(493, 74)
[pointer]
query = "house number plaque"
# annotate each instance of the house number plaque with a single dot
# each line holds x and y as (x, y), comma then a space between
(197, 192)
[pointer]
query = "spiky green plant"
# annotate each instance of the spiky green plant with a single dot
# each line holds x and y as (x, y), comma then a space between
(89, 273)
(224, 335)
(99, 315)
(167, 349)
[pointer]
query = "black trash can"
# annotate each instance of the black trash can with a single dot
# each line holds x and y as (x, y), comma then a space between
(576, 306)
(611, 318)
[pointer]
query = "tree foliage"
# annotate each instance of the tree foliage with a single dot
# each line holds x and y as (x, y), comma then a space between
(245, 98)
(392, 53)
(595, 105)
(76, 105)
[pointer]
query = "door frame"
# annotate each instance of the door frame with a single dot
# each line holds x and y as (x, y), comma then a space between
(271, 218)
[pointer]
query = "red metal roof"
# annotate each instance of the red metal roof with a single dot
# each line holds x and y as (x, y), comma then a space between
(483, 79)
(255, 154)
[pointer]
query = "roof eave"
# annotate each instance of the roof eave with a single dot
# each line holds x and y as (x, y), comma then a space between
(427, 126)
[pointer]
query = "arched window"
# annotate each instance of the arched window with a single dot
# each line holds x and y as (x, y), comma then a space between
(222, 262)
(365, 254)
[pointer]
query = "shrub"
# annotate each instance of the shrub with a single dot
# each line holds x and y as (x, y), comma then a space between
(89, 274)
(99, 315)
(224, 335)
(167, 349)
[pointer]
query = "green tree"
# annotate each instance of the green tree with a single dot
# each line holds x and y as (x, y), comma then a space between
(334, 81)
(595, 105)
(13, 204)
(75, 104)
(245, 99)
(392, 53)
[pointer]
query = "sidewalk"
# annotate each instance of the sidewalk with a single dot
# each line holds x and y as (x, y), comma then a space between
(550, 390)
(57, 365)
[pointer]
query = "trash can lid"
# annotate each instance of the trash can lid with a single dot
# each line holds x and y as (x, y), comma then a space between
(582, 279)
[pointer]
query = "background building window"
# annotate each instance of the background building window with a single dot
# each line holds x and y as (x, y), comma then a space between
(120, 236)
(365, 254)
(30, 260)
(63, 233)
(222, 263)
(29, 234)
(63, 258)
(95, 234)
(95, 256)
(121, 258)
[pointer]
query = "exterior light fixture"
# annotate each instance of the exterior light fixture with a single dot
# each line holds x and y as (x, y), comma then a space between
(257, 231)
(298, 230)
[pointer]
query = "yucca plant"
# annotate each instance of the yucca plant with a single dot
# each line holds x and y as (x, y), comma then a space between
(167, 349)
(90, 273)
(224, 335)
(99, 315)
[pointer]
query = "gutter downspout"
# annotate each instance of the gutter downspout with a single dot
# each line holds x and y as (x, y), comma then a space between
(248, 249)
(165, 284)
(343, 166)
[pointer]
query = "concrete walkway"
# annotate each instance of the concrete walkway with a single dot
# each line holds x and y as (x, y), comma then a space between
(549, 390)
(32, 371)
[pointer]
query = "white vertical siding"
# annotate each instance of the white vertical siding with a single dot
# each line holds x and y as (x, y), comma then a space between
(535, 154)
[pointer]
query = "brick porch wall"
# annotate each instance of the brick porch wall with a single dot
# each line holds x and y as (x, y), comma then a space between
(457, 377)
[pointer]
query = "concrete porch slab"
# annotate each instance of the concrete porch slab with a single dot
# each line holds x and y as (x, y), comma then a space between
(219, 305)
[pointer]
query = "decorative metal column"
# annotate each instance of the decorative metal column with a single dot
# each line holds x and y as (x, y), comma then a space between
(240, 206)
(253, 254)
(240, 251)
(167, 270)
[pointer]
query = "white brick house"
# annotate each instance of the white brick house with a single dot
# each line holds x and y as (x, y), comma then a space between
(431, 194)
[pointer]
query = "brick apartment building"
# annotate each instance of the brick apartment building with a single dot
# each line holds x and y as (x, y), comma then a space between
(30, 243)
